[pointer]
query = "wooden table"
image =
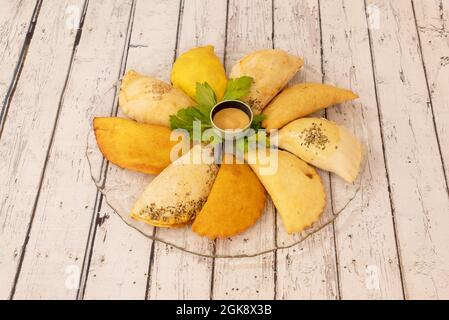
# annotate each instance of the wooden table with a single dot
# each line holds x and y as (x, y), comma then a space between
(59, 62)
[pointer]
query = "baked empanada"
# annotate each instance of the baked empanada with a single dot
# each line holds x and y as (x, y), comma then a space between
(235, 203)
(199, 65)
(178, 193)
(301, 100)
(324, 144)
(149, 100)
(295, 188)
(270, 70)
(136, 146)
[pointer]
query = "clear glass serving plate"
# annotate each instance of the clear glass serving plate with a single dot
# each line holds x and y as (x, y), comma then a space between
(120, 188)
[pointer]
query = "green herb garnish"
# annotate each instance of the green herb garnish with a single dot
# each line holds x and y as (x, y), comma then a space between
(257, 122)
(236, 89)
(206, 99)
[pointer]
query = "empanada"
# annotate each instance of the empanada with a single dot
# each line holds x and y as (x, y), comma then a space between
(199, 65)
(178, 193)
(270, 70)
(324, 144)
(149, 100)
(235, 203)
(136, 146)
(295, 188)
(301, 100)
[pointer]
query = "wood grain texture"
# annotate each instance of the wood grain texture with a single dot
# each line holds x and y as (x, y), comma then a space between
(391, 242)
(418, 188)
(27, 132)
(176, 274)
(432, 20)
(306, 271)
(119, 267)
(64, 210)
(249, 28)
(367, 253)
(16, 20)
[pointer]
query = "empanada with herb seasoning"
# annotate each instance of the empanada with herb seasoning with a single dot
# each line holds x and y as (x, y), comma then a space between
(179, 192)
(149, 100)
(271, 70)
(324, 144)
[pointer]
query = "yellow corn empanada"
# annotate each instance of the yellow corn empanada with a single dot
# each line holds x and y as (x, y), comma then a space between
(199, 65)
(132, 145)
(236, 201)
(300, 100)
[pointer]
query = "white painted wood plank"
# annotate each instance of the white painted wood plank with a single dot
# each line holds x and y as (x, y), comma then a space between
(433, 25)
(306, 271)
(418, 189)
(119, 263)
(121, 255)
(176, 274)
(366, 248)
(249, 28)
(27, 131)
(60, 229)
(15, 21)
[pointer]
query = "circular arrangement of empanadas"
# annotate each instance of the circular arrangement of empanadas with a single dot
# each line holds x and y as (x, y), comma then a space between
(222, 200)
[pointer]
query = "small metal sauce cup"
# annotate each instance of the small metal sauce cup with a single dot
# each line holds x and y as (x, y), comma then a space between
(230, 134)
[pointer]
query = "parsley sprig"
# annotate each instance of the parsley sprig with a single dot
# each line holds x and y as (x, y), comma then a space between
(237, 89)
(205, 98)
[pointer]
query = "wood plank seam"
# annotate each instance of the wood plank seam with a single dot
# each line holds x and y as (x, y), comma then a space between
(226, 32)
(275, 254)
(153, 27)
(337, 264)
(212, 278)
(142, 39)
(18, 70)
(366, 266)
(89, 247)
(99, 199)
(150, 266)
(384, 156)
(61, 99)
(229, 282)
(178, 29)
(430, 94)
(214, 248)
(314, 60)
(175, 54)
(323, 77)
(275, 259)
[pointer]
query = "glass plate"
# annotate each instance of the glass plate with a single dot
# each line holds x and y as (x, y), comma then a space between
(120, 188)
